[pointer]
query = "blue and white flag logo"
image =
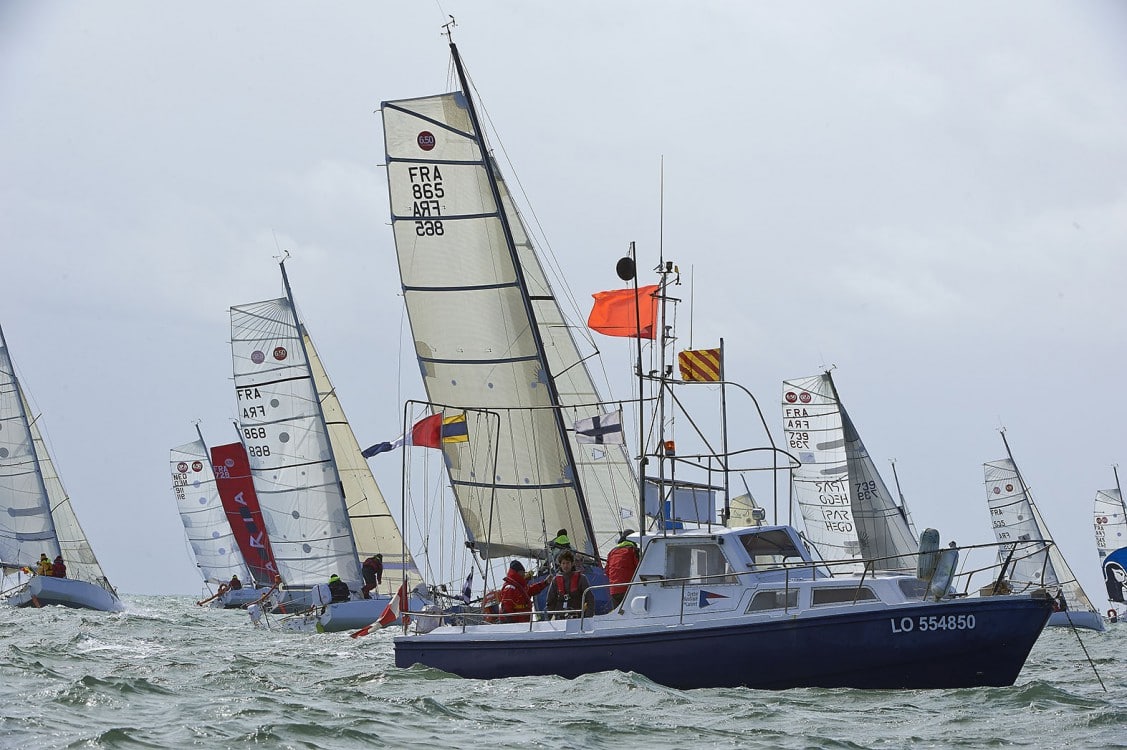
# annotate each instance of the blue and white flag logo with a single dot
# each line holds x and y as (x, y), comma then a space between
(605, 429)
(707, 596)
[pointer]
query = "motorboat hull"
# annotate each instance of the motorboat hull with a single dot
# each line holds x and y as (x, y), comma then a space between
(906, 646)
(43, 591)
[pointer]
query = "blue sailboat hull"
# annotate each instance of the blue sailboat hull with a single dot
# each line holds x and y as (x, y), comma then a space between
(902, 647)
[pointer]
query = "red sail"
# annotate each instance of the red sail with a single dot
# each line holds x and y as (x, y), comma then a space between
(236, 490)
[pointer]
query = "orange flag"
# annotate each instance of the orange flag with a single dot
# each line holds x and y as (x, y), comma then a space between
(616, 314)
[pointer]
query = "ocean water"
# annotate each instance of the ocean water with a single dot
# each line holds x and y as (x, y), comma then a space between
(168, 674)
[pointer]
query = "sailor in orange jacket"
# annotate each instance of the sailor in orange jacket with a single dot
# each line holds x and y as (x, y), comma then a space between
(517, 593)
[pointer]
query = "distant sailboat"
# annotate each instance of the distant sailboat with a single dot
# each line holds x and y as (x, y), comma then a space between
(1111, 545)
(847, 509)
(285, 405)
(220, 544)
(36, 516)
(1018, 524)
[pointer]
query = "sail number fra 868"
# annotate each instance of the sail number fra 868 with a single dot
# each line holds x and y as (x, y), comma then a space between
(925, 623)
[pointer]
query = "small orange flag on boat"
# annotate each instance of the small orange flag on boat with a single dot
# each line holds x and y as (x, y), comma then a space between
(700, 365)
(619, 313)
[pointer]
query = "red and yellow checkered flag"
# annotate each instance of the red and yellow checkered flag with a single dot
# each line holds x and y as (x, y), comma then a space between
(700, 365)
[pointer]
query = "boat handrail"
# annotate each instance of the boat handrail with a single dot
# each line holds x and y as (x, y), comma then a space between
(785, 569)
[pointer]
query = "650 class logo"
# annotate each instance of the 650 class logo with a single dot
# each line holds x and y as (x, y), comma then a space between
(426, 140)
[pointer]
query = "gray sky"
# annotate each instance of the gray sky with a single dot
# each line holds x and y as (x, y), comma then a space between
(930, 196)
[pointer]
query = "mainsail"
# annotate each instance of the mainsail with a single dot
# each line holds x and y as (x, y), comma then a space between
(1111, 540)
(287, 442)
(848, 511)
(205, 522)
(35, 511)
(1018, 523)
(490, 334)
(373, 528)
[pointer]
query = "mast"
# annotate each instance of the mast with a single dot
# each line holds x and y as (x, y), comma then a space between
(301, 333)
(523, 285)
(1020, 478)
(899, 492)
(1115, 470)
(627, 271)
(724, 439)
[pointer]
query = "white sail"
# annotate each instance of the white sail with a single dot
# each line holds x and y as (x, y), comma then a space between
(73, 545)
(1111, 544)
(35, 511)
(490, 334)
(205, 521)
(884, 528)
(26, 526)
(848, 511)
(287, 442)
(373, 528)
(606, 473)
(1110, 522)
(1015, 519)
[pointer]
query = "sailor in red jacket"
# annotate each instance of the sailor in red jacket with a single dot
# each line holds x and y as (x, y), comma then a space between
(517, 593)
(622, 561)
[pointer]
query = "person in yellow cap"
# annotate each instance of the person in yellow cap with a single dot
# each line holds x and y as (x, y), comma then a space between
(44, 566)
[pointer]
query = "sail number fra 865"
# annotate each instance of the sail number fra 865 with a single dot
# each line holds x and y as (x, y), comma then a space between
(925, 623)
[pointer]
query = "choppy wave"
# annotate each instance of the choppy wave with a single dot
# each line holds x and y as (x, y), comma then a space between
(167, 674)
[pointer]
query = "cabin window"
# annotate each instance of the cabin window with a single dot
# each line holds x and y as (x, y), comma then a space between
(913, 588)
(770, 549)
(842, 594)
(702, 563)
(765, 600)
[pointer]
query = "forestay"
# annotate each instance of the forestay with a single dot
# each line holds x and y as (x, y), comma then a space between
(73, 545)
(489, 334)
(287, 442)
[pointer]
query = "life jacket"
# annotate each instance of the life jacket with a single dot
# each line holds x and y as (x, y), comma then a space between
(566, 591)
(569, 590)
(491, 606)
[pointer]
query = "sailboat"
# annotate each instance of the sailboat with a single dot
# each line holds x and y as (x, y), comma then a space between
(321, 519)
(709, 606)
(1111, 545)
(36, 516)
(221, 549)
(1020, 528)
(847, 509)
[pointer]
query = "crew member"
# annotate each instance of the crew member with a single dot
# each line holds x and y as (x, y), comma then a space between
(622, 561)
(517, 593)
